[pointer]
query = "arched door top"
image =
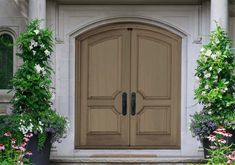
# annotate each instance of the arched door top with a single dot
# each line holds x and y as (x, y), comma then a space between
(81, 29)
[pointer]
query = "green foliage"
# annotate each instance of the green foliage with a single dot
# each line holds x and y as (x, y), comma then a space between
(32, 86)
(32, 81)
(41, 139)
(9, 123)
(215, 69)
(216, 90)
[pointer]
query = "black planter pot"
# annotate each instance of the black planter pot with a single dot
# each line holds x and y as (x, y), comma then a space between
(206, 146)
(232, 139)
(39, 157)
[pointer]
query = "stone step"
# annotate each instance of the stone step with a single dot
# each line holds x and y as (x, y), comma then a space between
(127, 161)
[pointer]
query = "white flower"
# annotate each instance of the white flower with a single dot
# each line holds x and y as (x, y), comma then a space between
(210, 68)
(208, 52)
(202, 49)
(209, 112)
(47, 52)
(224, 90)
(205, 59)
(213, 56)
(40, 123)
(217, 41)
(33, 44)
(43, 71)
(40, 129)
(53, 96)
(42, 45)
(207, 75)
(38, 68)
(34, 52)
(207, 87)
(218, 53)
(36, 31)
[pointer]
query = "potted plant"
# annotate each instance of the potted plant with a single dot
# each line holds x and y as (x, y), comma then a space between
(201, 126)
(33, 92)
(216, 89)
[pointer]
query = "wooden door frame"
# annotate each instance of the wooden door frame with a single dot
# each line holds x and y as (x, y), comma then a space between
(97, 30)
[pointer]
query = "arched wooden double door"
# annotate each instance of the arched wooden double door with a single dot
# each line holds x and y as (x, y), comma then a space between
(128, 87)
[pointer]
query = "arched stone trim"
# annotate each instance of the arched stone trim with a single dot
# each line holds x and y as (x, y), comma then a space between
(9, 31)
(141, 20)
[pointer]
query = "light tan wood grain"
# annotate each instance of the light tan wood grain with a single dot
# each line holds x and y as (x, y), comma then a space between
(128, 57)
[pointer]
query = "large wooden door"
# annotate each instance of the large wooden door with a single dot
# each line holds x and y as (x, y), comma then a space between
(155, 80)
(128, 88)
(103, 78)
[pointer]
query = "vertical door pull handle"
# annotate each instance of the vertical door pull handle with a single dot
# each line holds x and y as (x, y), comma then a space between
(133, 103)
(124, 103)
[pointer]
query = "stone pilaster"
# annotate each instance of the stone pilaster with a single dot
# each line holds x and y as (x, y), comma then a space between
(219, 13)
(37, 9)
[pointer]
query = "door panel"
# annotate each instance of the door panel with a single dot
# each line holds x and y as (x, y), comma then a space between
(155, 74)
(153, 70)
(103, 79)
(154, 120)
(105, 67)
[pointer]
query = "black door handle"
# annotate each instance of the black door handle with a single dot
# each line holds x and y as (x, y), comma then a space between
(133, 103)
(124, 103)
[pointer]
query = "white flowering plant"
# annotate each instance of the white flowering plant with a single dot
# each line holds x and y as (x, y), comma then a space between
(32, 103)
(215, 75)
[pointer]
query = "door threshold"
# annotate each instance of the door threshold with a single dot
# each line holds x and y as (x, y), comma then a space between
(129, 160)
(124, 156)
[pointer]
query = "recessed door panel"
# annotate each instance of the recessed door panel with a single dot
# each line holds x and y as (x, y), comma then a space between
(154, 58)
(105, 67)
(154, 120)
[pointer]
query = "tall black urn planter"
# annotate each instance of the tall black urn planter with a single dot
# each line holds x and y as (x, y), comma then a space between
(206, 146)
(232, 139)
(39, 157)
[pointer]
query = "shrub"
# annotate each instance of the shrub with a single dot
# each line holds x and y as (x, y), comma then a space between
(32, 86)
(216, 89)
